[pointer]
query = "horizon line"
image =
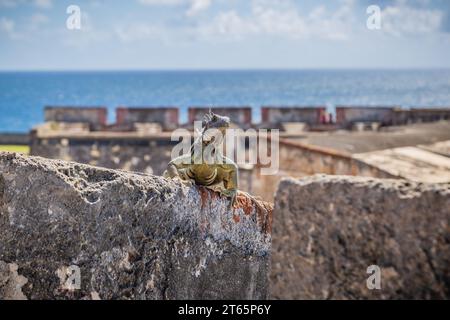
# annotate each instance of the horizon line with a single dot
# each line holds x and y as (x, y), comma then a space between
(227, 69)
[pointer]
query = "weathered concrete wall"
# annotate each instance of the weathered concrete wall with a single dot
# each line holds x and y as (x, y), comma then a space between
(401, 117)
(413, 115)
(329, 229)
(147, 155)
(347, 115)
(132, 236)
(167, 117)
(429, 114)
(95, 116)
(299, 160)
(277, 115)
(241, 116)
(131, 152)
(15, 138)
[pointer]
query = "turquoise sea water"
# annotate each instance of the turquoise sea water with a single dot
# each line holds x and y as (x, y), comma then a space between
(24, 94)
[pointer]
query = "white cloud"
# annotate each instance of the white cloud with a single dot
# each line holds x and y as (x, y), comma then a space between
(161, 2)
(8, 27)
(193, 6)
(24, 31)
(230, 24)
(85, 37)
(137, 32)
(198, 6)
(8, 3)
(402, 19)
(283, 19)
(38, 19)
(45, 4)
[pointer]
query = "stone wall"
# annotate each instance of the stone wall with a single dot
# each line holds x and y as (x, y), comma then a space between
(151, 154)
(95, 116)
(346, 116)
(329, 229)
(167, 117)
(147, 155)
(271, 116)
(128, 236)
(297, 159)
(15, 138)
(429, 114)
(241, 116)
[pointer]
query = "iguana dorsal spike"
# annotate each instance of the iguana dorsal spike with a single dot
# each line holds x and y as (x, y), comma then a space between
(208, 116)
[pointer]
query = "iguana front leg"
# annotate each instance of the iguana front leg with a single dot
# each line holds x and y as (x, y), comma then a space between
(230, 182)
(177, 168)
(231, 194)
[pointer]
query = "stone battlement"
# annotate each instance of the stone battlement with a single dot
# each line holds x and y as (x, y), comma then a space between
(287, 118)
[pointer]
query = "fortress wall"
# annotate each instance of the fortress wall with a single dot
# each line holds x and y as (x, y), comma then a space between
(328, 230)
(139, 154)
(95, 116)
(271, 116)
(151, 155)
(429, 114)
(241, 116)
(348, 115)
(147, 155)
(300, 160)
(130, 236)
(167, 117)
(15, 138)
(276, 115)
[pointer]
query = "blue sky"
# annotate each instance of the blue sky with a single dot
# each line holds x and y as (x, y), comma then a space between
(223, 34)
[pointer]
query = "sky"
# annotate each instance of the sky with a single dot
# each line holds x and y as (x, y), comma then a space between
(223, 34)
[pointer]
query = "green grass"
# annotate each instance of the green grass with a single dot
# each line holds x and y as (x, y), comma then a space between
(14, 148)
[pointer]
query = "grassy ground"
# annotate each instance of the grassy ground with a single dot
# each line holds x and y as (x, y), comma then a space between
(13, 148)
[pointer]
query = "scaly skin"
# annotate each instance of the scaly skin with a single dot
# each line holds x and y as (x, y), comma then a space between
(221, 174)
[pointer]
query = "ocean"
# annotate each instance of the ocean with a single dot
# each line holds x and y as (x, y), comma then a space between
(23, 95)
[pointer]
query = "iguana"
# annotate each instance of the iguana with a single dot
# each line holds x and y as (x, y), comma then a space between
(217, 172)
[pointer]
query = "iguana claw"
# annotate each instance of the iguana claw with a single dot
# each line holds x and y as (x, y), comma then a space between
(188, 182)
(231, 194)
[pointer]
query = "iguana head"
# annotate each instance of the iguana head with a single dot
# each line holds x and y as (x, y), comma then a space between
(215, 121)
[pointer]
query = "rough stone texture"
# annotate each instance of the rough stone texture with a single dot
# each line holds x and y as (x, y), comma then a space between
(132, 236)
(297, 159)
(142, 154)
(11, 282)
(167, 117)
(147, 154)
(272, 116)
(15, 138)
(95, 116)
(329, 229)
(348, 115)
(239, 115)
